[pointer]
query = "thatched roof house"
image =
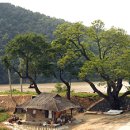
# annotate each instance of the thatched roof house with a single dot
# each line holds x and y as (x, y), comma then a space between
(48, 101)
(46, 105)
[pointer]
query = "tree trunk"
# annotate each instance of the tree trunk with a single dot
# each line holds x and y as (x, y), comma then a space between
(68, 92)
(37, 89)
(35, 85)
(115, 102)
(29, 77)
(67, 85)
(112, 93)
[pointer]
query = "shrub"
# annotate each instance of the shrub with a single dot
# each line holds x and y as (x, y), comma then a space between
(59, 88)
(2, 109)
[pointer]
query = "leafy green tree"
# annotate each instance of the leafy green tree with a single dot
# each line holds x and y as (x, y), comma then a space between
(31, 50)
(16, 20)
(62, 70)
(105, 53)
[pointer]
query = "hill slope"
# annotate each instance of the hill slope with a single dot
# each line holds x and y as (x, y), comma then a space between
(15, 20)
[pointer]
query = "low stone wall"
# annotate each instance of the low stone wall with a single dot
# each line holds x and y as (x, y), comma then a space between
(126, 104)
(103, 105)
(83, 102)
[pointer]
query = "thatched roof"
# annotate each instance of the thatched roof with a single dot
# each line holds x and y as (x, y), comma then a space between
(48, 101)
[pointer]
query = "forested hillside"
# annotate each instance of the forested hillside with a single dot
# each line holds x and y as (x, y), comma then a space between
(15, 20)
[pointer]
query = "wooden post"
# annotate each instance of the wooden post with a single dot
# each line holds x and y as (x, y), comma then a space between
(54, 116)
(9, 76)
(71, 112)
(21, 84)
(21, 80)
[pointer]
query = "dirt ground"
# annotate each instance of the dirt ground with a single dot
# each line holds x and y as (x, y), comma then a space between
(48, 87)
(103, 122)
(3, 126)
(96, 122)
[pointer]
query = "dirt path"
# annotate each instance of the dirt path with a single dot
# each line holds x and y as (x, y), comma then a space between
(103, 122)
(125, 127)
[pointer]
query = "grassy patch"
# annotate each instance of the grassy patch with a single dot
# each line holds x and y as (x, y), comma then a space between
(3, 116)
(62, 93)
(85, 95)
(4, 128)
(82, 95)
(17, 92)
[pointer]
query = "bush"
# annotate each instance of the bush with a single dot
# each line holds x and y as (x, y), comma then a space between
(2, 109)
(59, 88)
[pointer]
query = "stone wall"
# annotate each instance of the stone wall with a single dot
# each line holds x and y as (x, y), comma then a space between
(84, 102)
(103, 105)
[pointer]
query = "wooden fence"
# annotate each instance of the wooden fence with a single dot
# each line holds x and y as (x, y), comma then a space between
(32, 127)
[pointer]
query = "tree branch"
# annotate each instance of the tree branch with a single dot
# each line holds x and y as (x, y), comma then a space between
(125, 94)
(119, 84)
(82, 52)
(108, 89)
(95, 89)
(99, 47)
(107, 50)
(83, 49)
(20, 75)
(30, 78)
(61, 78)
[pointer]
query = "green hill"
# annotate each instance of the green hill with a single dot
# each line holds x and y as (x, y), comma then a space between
(15, 20)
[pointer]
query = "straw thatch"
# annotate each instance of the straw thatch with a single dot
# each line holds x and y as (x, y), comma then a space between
(48, 101)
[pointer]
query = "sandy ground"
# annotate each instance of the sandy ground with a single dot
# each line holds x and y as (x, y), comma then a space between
(91, 122)
(103, 122)
(48, 87)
